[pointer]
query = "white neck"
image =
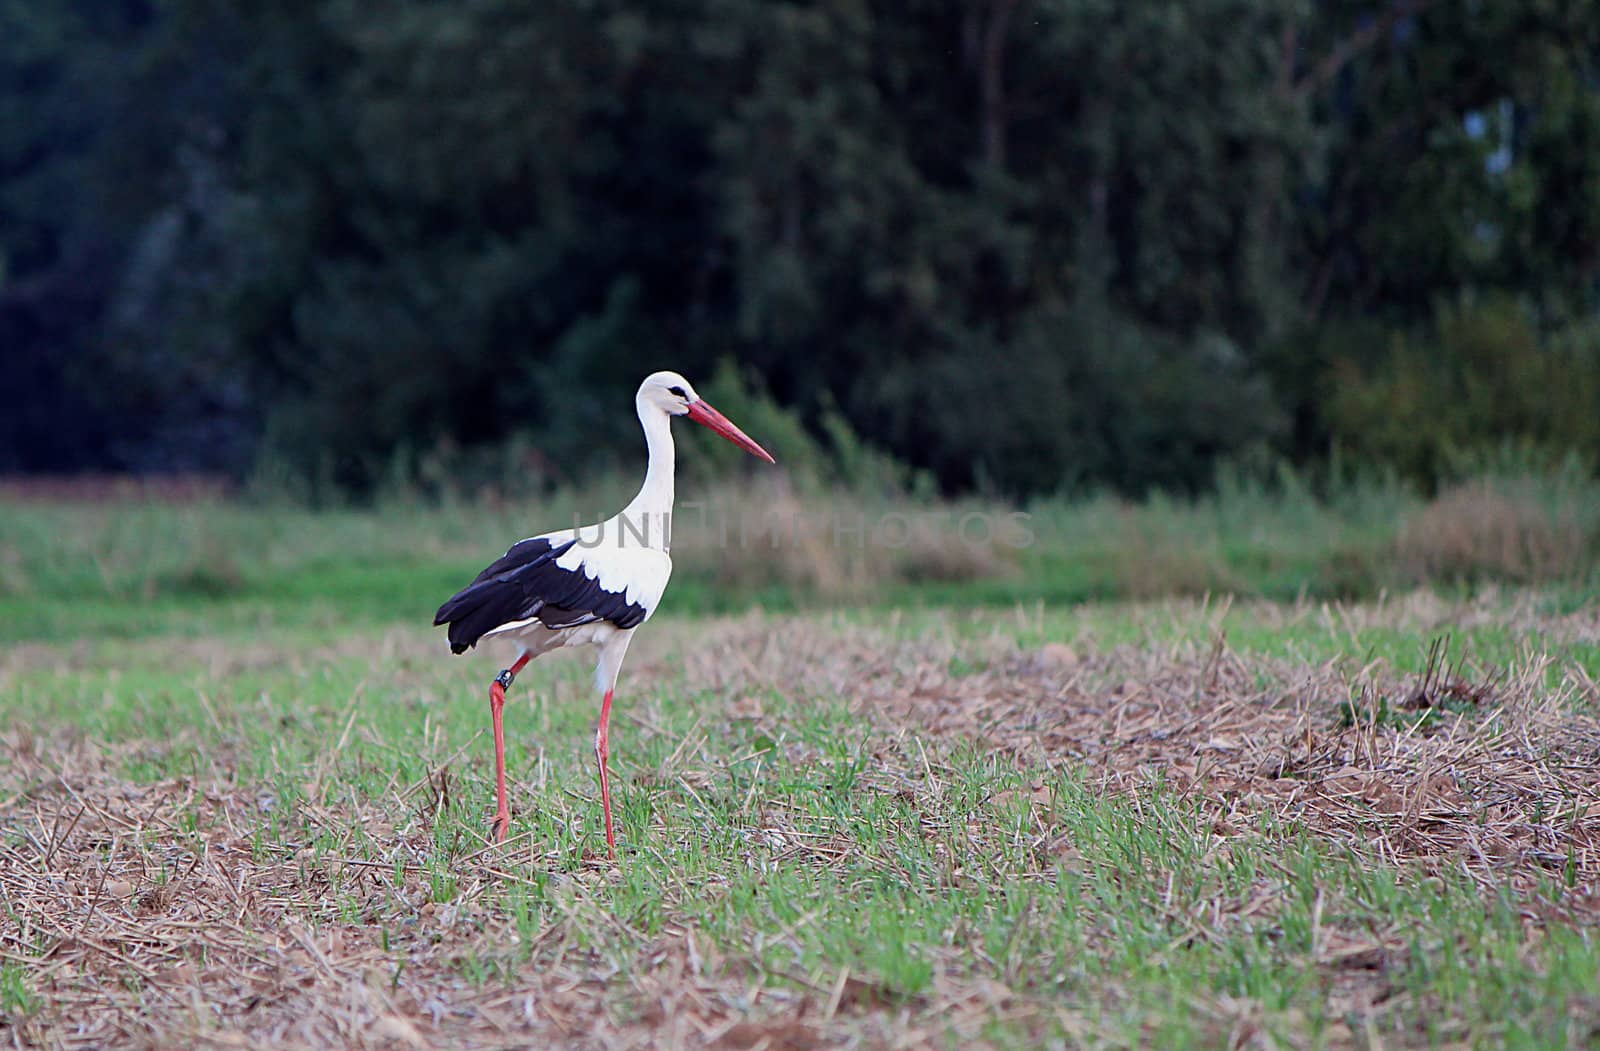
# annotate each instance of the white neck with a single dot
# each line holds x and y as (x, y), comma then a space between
(655, 496)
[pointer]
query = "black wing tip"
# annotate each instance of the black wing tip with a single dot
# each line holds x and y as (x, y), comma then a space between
(451, 614)
(463, 637)
(447, 612)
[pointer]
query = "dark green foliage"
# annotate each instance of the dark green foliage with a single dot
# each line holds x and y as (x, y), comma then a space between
(62, 77)
(1020, 244)
(1428, 402)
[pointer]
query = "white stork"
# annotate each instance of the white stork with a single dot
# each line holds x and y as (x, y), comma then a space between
(587, 586)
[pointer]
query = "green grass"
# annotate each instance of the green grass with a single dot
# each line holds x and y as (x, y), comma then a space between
(17, 1001)
(810, 843)
(127, 570)
(262, 690)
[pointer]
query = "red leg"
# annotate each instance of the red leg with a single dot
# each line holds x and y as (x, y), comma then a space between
(602, 752)
(497, 703)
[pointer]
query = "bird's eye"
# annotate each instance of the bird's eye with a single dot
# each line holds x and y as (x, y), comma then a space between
(679, 392)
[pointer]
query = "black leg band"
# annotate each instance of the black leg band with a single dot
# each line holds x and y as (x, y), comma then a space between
(505, 678)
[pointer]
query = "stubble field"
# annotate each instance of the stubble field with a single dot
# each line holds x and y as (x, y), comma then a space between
(252, 823)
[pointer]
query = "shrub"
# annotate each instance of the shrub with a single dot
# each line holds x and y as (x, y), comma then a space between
(1480, 377)
(1523, 530)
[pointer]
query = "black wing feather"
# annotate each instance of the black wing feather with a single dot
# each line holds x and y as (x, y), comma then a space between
(526, 583)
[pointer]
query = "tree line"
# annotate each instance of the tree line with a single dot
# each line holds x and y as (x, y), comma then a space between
(1021, 244)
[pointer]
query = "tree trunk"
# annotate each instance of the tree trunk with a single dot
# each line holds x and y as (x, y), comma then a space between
(991, 81)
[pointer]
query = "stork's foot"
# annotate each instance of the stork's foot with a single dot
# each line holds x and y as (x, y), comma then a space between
(501, 826)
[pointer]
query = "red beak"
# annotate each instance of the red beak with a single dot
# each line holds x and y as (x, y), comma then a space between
(702, 412)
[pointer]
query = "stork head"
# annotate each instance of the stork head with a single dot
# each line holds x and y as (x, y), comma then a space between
(673, 395)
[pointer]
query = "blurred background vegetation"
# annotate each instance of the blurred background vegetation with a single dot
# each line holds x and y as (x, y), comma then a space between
(1020, 247)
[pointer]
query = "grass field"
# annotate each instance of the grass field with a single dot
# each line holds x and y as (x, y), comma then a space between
(243, 808)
